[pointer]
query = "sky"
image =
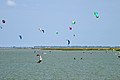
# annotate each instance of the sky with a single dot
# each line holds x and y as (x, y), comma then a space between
(26, 17)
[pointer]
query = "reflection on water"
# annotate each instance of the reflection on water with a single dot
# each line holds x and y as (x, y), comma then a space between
(59, 65)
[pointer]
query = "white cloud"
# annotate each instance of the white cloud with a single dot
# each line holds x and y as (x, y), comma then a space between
(11, 3)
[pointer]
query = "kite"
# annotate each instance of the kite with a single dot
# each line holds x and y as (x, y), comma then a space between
(56, 32)
(3, 21)
(73, 22)
(70, 28)
(96, 14)
(68, 41)
(41, 30)
(74, 35)
(20, 36)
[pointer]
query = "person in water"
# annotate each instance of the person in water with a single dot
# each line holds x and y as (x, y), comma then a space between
(74, 58)
(40, 59)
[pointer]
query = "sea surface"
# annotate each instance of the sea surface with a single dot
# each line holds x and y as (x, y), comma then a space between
(21, 64)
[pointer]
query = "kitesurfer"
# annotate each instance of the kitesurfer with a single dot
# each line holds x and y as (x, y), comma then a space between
(40, 59)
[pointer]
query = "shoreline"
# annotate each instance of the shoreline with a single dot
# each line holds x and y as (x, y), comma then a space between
(113, 49)
(60, 48)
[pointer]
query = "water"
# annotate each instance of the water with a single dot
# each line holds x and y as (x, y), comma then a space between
(59, 65)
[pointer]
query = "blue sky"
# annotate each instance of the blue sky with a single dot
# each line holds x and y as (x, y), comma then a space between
(25, 17)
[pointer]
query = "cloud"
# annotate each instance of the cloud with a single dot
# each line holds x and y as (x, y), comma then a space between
(11, 3)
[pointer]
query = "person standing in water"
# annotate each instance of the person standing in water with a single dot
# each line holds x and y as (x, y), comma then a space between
(40, 58)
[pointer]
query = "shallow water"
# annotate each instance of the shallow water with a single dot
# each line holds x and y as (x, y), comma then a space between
(59, 65)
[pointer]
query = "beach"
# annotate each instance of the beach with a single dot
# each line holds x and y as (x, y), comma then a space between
(21, 64)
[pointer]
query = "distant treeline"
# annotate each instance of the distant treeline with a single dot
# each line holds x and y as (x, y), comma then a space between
(116, 48)
(76, 46)
(113, 49)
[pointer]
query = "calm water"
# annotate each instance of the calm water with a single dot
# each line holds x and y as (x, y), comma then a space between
(59, 65)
